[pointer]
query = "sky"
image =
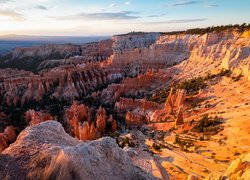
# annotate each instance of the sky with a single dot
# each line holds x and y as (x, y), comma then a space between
(109, 17)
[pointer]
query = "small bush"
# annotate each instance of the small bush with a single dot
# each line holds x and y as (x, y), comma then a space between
(192, 85)
(156, 147)
(225, 72)
(208, 125)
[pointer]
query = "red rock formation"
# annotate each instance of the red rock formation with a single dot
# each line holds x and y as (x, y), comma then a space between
(135, 119)
(36, 117)
(175, 101)
(114, 126)
(101, 119)
(129, 104)
(7, 137)
(169, 102)
(179, 118)
(61, 84)
(83, 126)
(113, 123)
(3, 142)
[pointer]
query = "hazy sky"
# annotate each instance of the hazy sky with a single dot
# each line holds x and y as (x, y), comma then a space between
(107, 17)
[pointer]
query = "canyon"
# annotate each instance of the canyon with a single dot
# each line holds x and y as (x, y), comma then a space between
(177, 104)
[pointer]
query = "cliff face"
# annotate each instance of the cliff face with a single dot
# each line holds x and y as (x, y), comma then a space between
(214, 51)
(149, 51)
(64, 157)
(229, 50)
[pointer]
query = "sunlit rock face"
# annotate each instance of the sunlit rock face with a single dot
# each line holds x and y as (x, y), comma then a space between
(229, 50)
(148, 51)
(64, 157)
(175, 100)
(238, 169)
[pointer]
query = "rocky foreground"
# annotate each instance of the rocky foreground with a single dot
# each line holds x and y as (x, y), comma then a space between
(46, 151)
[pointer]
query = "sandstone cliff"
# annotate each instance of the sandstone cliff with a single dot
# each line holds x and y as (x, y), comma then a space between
(149, 51)
(228, 49)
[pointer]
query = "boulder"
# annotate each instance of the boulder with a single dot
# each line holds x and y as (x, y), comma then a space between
(46, 151)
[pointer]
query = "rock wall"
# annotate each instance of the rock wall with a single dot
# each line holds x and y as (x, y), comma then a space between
(215, 51)
(149, 51)
(228, 49)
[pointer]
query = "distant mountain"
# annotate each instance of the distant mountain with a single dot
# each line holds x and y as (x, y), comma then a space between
(9, 42)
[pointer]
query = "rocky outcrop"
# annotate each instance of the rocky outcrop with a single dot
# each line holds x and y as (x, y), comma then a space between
(179, 118)
(239, 169)
(175, 101)
(7, 137)
(45, 151)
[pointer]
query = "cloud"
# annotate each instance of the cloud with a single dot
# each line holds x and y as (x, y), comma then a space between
(122, 15)
(41, 7)
(4, 1)
(173, 21)
(12, 14)
(211, 5)
(184, 3)
(176, 21)
(113, 5)
(127, 3)
(157, 15)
